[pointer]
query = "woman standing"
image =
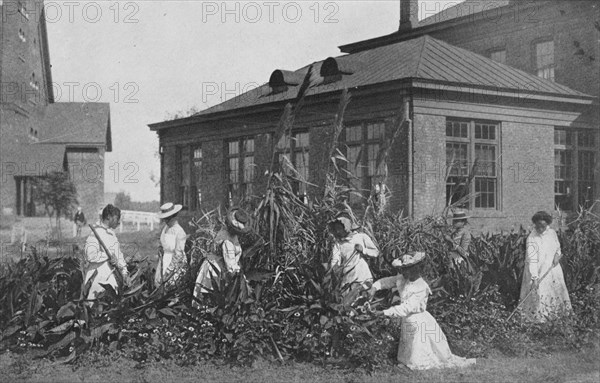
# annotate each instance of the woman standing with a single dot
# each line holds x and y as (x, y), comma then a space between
(171, 256)
(548, 297)
(227, 254)
(349, 252)
(99, 261)
(423, 344)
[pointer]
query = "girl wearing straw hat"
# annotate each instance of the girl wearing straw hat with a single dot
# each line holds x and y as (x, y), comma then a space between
(460, 237)
(227, 254)
(423, 344)
(171, 255)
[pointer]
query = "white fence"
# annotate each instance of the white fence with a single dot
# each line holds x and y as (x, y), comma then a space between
(138, 218)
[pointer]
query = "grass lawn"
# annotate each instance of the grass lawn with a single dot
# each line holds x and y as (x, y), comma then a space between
(560, 367)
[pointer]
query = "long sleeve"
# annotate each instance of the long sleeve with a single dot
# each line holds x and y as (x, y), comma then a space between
(229, 256)
(336, 255)
(369, 248)
(386, 283)
(533, 256)
(416, 303)
(121, 264)
(93, 252)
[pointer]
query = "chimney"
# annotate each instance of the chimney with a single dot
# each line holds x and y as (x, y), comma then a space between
(409, 15)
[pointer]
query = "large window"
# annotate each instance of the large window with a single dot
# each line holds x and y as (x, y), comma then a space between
(196, 197)
(294, 150)
(240, 167)
(574, 158)
(471, 160)
(544, 59)
(183, 197)
(363, 144)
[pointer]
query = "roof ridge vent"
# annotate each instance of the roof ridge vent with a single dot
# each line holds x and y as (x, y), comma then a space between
(281, 80)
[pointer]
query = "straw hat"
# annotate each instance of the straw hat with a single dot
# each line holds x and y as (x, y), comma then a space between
(459, 215)
(238, 220)
(410, 259)
(168, 210)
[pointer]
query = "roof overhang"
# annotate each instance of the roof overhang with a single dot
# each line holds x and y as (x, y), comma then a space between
(485, 93)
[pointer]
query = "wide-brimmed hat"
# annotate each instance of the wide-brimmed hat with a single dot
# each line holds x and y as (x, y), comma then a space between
(346, 220)
(238, 220)
(459, 215)
(409, 259)
(168, 210)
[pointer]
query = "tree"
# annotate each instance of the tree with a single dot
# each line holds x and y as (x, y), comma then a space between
(57, 193)
(123, 201)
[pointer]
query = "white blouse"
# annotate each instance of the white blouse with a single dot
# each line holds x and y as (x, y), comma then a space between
(413, 295)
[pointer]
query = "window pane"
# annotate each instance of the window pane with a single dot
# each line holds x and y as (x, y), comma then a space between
(249, 145)
(457, 129)
(249, 169)
(354, 133)
(456, 159)
(353, 157)
(372, 151)
(586, 139)
(197, 153)
(301, 140)
(234, 170)
(284, 142)
(485, 155)
(233, 148)
(375, 131)
(486, 193)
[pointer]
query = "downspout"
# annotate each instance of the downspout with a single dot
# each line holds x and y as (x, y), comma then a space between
(411, 174)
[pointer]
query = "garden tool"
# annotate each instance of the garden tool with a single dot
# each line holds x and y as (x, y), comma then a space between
(532, 289)
(111, 259)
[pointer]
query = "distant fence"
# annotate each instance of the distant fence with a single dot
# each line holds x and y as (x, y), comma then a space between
(139, 219)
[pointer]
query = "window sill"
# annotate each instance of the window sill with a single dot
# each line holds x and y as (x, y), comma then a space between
(487, 214)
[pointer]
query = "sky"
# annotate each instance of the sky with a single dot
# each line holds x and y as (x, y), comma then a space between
(152, 59)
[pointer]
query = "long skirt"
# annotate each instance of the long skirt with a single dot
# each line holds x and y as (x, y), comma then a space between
(423, 345)
(210, 272)
(551, 299)
(105, 276)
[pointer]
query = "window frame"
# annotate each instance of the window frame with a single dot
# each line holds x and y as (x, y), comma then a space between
(536, 56)
(291, 149)
(365, 182)
(241, 188)
(575, 150)
(471, 143)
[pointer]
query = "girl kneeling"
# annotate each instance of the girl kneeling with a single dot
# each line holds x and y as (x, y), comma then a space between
(423, 344)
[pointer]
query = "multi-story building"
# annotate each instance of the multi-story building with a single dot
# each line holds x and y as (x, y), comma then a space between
(39, 135)
(489, 104)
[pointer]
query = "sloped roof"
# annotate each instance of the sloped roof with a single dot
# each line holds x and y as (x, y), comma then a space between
(76, 123)
(38, 159)
(466, 8)
(422, 58)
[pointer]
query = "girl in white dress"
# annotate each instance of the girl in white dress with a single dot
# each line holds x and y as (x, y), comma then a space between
(550, 296)
(423, 344)
(227, 254)
(171, 260)
(349, 252)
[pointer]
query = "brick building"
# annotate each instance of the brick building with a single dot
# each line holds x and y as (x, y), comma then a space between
(38, 134)
(514, 116)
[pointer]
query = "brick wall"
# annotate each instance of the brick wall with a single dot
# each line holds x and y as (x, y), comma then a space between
(429, 163)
